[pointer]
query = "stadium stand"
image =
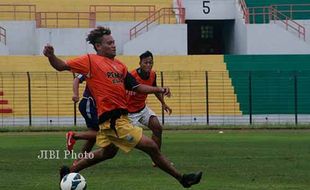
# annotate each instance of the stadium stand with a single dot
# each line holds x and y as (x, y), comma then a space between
(51, 93)
(39, 95)
(272, 82)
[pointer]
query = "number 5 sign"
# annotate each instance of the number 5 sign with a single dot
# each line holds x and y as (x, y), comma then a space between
(205, 7)
(210, 9)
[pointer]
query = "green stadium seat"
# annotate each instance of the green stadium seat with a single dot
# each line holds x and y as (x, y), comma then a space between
(273, 82)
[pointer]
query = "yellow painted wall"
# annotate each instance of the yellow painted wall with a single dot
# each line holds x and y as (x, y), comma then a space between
(162, 63)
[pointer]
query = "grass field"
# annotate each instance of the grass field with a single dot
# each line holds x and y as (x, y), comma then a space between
(234, 160)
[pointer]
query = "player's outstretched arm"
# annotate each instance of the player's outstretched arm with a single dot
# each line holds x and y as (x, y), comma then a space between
(146, 89)
(132, 84)
(57, 63)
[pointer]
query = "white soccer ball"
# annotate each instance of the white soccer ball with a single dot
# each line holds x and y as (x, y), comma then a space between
(73, 181)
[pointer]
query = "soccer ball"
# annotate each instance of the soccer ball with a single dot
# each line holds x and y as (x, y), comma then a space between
(73, 181)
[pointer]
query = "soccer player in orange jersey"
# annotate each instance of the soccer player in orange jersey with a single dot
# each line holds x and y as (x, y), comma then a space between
(88, 110)
(108, 79)
(139, 112)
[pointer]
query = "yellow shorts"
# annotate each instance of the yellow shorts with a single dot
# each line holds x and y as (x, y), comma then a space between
(128, 135)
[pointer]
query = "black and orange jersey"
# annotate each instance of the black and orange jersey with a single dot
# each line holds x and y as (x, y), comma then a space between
(136, 101)
(106, 80)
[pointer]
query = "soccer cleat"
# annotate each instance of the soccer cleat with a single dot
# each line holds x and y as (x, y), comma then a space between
(64, 170)
(70, 141)
(190, 179)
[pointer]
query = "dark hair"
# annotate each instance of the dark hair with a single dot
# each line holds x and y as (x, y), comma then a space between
(145, 55)
(95, 35)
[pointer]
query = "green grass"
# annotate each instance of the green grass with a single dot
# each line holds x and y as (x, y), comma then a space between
(234, 160)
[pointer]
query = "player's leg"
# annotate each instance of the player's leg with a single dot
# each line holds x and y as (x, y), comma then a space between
(149, 119)
(128, 137)
(93, 158)
(92, 124)
(107, 151)
(90, 134)
(87, 109)
(148, 146)
(99, 155)
(90, 142)
(157, 129)
(90, 137)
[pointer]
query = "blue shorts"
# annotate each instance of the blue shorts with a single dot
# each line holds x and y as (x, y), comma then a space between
(88, 110)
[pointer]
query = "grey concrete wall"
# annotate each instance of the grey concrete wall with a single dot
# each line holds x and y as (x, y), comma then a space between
(238, 43)
(72, 41)
(164, 39)
(274, 39)
(120, 32)
(66, 41)
(306, 24)
(21, 39)
(3, 49)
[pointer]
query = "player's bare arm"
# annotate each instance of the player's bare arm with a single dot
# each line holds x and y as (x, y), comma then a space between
(76, 84)
(55, 62)
(163, 103)
(132, 84)
(142, 88)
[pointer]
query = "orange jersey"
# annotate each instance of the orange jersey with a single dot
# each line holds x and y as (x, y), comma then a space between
(136, 101)
(105, 80)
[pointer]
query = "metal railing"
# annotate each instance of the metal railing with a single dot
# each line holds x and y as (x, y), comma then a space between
(65, 19)
(257, 15)
(268, 14)
(180, 12)
(293, 11)
(262, 14)
(288, 22)
(253, 15)
(75, 19)
(245, 11)
(17, 12)
(122, 12)
(162, 16)
(3, 35)
(198, 98)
